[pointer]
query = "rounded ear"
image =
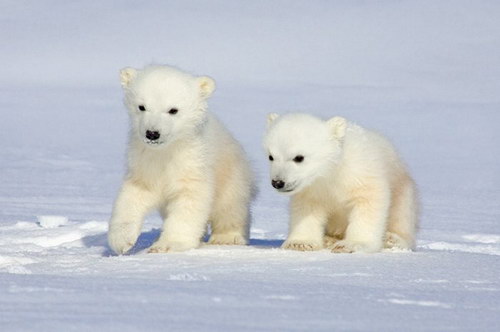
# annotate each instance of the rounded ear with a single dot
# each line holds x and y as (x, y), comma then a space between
(127, 75)
(271, 117)
(338, 126)
(207, 86)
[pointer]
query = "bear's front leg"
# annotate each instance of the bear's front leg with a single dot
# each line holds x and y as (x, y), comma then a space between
(307, 226)
(186, 217)
(367, 221)
(131, 206)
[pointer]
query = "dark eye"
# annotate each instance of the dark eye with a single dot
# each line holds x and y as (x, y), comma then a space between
(142, 108)
(173, 111)
(298, 159)
(271, 158)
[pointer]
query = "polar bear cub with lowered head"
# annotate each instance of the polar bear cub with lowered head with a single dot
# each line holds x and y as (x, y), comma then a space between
(350, 190)
(181, 161)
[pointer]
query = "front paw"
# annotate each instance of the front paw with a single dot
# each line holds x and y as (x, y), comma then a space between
(347, 247)
(170, 246)
(228, 239)
(302, 245)
(122, 237)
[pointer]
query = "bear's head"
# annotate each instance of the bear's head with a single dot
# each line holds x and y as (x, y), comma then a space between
(164, 103)
(302, 148)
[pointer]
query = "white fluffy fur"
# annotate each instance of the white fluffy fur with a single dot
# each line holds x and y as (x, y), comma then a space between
(351, 193)
(194, 173)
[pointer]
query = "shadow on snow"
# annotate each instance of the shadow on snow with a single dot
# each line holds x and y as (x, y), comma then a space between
(146, 239)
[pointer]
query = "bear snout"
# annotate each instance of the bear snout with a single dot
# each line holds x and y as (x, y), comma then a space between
(278, 184)
(152, 135)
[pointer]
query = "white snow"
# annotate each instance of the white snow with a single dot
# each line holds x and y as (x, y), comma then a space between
(52, 221)
(425, 73)
(421, 303)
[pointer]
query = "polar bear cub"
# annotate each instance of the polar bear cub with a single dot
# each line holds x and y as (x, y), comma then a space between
(350, 191)
(181, 161)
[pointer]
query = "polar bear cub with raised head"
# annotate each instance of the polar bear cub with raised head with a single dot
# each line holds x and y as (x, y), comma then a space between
(350, 190)
(181, 161)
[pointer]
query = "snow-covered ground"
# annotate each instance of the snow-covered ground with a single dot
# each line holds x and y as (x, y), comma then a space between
(425, 73)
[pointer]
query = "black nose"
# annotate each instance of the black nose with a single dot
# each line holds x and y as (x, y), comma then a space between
(152, 135)
(278, 184)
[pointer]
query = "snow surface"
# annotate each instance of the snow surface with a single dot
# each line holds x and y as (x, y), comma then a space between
(425, 73)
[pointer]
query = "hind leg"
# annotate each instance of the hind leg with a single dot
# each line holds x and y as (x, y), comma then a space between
(403, 217)
(335, 230)
(329, 241)
(367, 220)
(230, 227)
(230, 219)
(393, 240)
